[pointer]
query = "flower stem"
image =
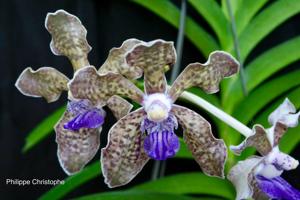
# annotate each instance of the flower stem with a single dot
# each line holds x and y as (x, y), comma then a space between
(179, 42)
(237, 48)
(231, 121)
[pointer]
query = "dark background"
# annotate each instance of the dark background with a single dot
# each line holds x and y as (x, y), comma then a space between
(25, 42)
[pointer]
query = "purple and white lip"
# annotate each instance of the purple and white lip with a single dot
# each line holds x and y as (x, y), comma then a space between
(86, 115)
(267, 175)
(161, 142)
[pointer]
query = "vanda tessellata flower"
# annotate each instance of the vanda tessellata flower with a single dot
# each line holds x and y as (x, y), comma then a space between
(259, 177)
(149, 132)
(78, 130)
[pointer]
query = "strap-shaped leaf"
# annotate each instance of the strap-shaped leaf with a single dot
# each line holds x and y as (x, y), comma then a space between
(234, 6)
(195, 33)
(136, 195)
(72, 182)
(265, 22)
(245, 12)
(190, 183)
(264, 66)
(214, 15)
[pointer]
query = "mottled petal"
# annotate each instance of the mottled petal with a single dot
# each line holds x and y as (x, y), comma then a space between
(276, 132)
(285, 113)
(75, 148)
(124, 156)
(161, 145)
(265, 139)
(259, 140)
(209, 152)
(116, 61)
(68, 37)
(45, 82)
(239, 174)
(152, 57)
(88, 84)
(281, 119)
(207, 76)
(277, 188)
(281, 161)
(119, 106)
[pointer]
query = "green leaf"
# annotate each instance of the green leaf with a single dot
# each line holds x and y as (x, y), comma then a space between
(264, 94)
(290, 140)
(260, 98)
(91, 172)
(88, 173)
(265, 22)
(170, 13)
(137, 195)
(190, 183)
(272, 61)
(43, 129)
(245, 11)
(213, 14)
(235, 4)
(183, 151)
(260, 69)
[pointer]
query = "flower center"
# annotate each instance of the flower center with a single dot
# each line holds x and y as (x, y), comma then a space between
(157, 106)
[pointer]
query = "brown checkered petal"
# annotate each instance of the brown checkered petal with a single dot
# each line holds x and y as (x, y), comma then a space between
(124, 156)
(207, 76)
(45, 82)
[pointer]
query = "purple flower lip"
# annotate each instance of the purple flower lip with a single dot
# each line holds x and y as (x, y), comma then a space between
(87, 116)
(161, 145)
(277, 188)
(161, 142)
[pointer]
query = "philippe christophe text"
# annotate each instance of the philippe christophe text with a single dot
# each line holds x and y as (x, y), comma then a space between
(24, 182)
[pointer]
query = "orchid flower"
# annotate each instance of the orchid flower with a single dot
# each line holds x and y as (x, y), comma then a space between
(78, 130)
(149, 132)
(259, 177)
